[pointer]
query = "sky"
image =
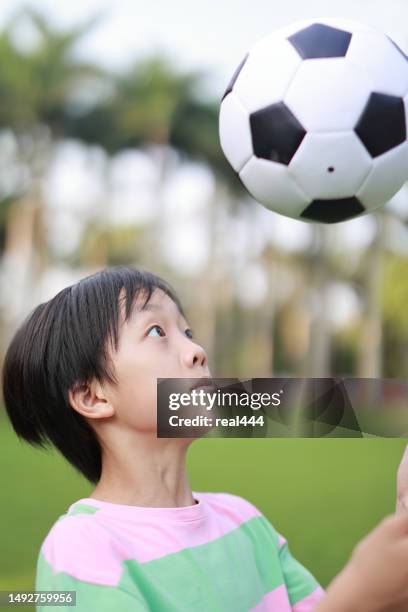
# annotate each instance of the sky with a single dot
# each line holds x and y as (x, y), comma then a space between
(213, 34)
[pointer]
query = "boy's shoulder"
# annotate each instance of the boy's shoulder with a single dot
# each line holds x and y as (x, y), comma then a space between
(76, 544)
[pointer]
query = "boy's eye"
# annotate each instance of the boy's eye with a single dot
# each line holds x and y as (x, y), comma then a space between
(156, 327)
(188, 332)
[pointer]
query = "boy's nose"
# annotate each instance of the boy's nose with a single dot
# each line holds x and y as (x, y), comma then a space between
(195, 356)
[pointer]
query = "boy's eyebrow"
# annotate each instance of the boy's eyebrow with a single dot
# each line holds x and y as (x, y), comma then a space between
(138, 309)
(150, 307)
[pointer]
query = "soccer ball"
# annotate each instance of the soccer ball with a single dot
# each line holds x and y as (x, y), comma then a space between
(314, 120)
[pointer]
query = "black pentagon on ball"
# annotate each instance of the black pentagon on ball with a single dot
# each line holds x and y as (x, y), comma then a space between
(333, 211)
(276, 133)
(320, 40)
(381, 126)
(234, 76)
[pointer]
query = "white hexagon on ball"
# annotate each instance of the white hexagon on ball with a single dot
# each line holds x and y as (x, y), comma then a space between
(386, 178)
(328, 95)
(328, 165)
(271, 184)
(235, 135)
(383, 62)
(253, 90)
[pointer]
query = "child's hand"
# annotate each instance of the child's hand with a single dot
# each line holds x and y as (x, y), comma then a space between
(402, 483)
(376, 577)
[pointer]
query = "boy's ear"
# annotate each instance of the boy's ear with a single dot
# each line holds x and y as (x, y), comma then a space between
(89, 399)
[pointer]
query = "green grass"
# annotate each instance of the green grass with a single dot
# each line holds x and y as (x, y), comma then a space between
(323, 495)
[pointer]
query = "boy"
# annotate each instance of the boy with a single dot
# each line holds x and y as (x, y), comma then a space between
(81, 372)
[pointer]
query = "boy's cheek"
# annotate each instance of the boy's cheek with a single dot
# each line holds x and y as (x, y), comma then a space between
(136, 405)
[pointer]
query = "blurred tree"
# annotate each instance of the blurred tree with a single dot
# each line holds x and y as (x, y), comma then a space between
(370, 352)
(320, 332)
(394, 302)
(37, 85)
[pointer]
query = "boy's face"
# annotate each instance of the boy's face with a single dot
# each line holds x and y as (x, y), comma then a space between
(154, 343)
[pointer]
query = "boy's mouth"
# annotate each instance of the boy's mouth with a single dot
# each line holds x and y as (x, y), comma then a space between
(203, 383)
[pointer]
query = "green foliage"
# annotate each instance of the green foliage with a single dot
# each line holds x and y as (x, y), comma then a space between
(147, 96)
(395, 294)
(36, 86)
(113, 245)
(345, 347)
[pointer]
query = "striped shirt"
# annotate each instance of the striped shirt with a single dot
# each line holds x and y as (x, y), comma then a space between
(219, 555)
